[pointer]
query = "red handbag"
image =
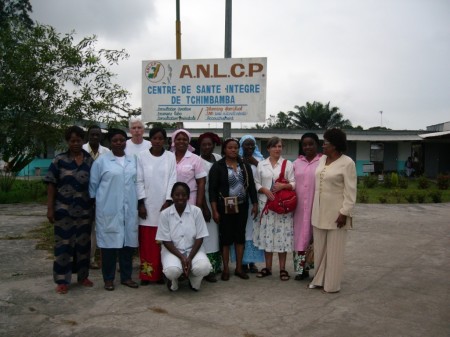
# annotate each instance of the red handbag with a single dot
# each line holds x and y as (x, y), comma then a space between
(285, 200)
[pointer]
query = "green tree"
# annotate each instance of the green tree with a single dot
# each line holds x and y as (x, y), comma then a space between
(317, 116)
(47, 82)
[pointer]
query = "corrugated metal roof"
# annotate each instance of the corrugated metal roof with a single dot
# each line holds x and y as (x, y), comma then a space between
(435, 134)
(352, 135)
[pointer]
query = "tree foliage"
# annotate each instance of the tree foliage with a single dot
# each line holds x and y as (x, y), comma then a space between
(318, 116)
(47, 82)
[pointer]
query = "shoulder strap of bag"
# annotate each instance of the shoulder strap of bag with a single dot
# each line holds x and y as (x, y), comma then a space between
(283, 169)
(280, 178)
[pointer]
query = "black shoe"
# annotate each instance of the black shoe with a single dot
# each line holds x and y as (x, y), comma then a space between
(144, 283)
(130, 284)
(169, 285)
(211, 277)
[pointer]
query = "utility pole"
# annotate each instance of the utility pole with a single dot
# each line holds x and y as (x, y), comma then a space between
(228, 19)
(381, 117)
(178, 43)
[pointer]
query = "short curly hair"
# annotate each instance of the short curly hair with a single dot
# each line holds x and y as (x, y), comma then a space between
(338, 138)
(74, 129)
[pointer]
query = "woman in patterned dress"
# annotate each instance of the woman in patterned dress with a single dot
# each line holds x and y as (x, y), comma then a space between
(274, 232)
(70, 210)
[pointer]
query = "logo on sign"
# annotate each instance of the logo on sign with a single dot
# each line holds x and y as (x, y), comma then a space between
(154, 71)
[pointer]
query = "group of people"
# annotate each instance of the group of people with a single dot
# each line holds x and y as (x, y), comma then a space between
(191, 214)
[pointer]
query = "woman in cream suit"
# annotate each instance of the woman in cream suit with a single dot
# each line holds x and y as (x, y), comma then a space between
(334, 199)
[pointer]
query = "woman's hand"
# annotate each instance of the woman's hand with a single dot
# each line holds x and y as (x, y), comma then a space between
(206, 213)
(51, 214)
(281, 186)
(267, 192)
(216, 216)
(164, 206)
(142, 211)
(254, 211)
(341, 220)
(251, 160)
(186, 264)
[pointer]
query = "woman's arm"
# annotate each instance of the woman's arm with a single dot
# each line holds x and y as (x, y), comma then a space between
(184, 260)
(51, 197)
(201, 182)
(350, 182)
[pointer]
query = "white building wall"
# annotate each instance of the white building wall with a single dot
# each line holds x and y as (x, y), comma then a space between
(362, 151)
(404, 151)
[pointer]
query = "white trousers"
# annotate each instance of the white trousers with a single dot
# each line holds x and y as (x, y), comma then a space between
(329, 246)
(172, 268)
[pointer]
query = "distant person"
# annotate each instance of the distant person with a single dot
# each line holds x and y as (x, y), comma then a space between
(95, 149)
(181, 229)
(113, 187)
(136, 143)
(334, 200)
(69, 208)
(156, 174)
(305, 178)
(409, 167)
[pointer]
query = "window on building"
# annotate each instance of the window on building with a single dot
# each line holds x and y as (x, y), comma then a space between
(377, 156)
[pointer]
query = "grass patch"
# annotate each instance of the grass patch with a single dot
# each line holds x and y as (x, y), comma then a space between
(393, 195)
(44, 235)
(24, 191)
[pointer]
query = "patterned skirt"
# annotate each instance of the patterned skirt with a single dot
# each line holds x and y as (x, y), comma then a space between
(274, 232)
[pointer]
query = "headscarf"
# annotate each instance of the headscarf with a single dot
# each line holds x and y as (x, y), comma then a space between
(113, 132)
(174, 135)
(256, 154)
(214, 137)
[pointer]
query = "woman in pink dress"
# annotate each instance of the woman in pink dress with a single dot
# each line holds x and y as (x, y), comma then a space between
(304, 168)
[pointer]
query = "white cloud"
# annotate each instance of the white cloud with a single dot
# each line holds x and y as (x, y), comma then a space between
(362, 56)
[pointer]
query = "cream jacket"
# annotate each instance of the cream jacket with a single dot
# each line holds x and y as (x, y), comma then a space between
(335, 192)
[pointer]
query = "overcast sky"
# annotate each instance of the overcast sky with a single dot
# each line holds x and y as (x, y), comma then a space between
(364, 56)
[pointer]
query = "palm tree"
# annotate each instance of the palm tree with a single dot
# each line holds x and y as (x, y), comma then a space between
(316, 116)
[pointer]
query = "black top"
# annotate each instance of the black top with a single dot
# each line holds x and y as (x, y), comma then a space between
(219, 186)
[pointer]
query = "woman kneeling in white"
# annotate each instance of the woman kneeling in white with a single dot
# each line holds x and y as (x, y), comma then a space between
(181, 230)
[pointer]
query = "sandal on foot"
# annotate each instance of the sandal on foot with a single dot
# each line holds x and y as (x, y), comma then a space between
(263, 273)
(62, 289)
(253, 269)
(241, 275)
(284, 275)
(225, 276)
(299, 277)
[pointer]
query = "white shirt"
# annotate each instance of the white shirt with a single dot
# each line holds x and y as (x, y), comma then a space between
(135, 149)
(155, 178)
(266, 175)
(184, 230)
(101, 150)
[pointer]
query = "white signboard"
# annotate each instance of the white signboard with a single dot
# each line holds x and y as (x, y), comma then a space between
(216, 90)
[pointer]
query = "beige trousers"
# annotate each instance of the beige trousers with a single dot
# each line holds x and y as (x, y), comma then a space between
(329, 245)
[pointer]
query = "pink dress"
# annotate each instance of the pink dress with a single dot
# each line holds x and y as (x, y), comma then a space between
(304, 172)
(190, 168)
